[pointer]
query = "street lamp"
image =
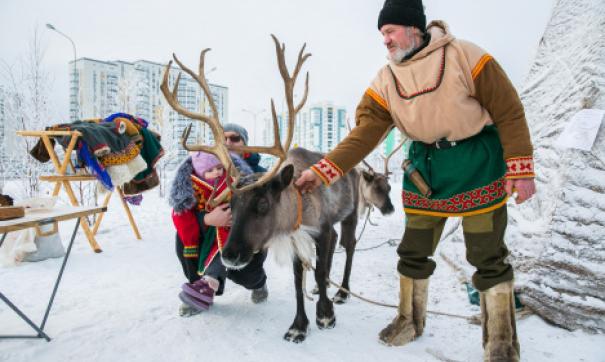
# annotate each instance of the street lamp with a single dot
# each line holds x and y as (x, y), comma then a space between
(254, 115)
(51, 27)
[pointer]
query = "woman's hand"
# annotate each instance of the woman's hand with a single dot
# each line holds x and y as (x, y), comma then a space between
(221, 216)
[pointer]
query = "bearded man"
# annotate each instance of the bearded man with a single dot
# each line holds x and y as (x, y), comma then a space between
(471, 145)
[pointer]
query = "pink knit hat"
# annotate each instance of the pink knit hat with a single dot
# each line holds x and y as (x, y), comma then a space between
(203, 162)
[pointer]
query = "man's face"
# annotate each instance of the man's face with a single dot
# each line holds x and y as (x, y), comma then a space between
(233, 139)
(398, 39)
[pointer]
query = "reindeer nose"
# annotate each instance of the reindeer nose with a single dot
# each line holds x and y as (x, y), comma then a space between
(387, 208)
(230, 255)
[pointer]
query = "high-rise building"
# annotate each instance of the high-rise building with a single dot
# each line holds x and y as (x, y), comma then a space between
(319, 127)
(100, 88)
(325, 126)
(391, 141)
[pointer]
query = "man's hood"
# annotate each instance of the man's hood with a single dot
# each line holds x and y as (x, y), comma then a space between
(440, 37)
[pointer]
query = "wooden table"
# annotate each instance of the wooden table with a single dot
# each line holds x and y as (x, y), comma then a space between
(35, 218)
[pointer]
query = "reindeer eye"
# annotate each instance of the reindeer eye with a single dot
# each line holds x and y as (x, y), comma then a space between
(262, 206)
(386, 186)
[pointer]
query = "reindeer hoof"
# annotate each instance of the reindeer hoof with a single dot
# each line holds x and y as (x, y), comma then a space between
(315, 290)
(340, 298)
(295, 335)
(326, 322)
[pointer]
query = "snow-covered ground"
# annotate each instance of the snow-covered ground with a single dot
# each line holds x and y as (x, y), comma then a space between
(121, 305)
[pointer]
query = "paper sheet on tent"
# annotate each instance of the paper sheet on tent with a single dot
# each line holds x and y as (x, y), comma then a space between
(581, 131)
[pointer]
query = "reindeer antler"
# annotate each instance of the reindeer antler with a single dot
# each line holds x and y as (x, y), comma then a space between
(388, 157)
(289, 82)
(370, 168)
(219, 149)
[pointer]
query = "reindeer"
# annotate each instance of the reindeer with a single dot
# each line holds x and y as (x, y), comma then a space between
(373, 191)
(269, 212)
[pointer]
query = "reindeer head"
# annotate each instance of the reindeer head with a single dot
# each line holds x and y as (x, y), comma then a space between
(375, 186)
(375, 190)
(260, 215)
(254, 205)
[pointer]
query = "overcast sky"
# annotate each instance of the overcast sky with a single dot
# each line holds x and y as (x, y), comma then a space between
(341, 34)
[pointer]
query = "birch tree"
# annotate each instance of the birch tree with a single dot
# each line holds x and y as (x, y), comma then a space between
(163, 125)
(26, 107)
(128, 88)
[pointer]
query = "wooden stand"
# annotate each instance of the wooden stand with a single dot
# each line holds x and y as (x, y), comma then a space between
(62, 179)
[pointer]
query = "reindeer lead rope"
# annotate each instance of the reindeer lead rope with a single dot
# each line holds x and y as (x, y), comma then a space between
(363, 228)
(307, 266)
(361, 234)
(310, 267)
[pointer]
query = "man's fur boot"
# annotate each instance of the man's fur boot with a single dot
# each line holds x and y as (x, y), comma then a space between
(409, 323)
(500, 341)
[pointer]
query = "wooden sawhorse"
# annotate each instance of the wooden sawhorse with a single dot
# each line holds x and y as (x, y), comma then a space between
(62, 179)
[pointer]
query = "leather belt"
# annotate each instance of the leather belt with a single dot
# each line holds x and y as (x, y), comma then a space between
(442, 144)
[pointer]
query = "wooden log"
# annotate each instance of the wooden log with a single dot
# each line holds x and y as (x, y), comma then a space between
(11, 212)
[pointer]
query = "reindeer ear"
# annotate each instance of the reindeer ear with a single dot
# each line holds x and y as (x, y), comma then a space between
(283, 180)
(286, 175)
(367, 176)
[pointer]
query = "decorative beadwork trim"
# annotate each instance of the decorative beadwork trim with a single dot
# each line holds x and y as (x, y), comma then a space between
(399, 87)
(198, 185)
(458, 214)
(119, 158)
(520, 167)
(190, 251)
(477, 199)
(327, 171)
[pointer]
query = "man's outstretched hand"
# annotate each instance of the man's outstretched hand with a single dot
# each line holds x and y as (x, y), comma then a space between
(308, 181)
(524, 187)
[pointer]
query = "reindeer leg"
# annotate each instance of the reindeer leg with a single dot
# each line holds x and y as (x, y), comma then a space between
(325, 309)
(347, 226)
(298, 330)
(333, 239)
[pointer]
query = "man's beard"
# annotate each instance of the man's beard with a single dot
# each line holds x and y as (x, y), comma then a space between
(400, 54)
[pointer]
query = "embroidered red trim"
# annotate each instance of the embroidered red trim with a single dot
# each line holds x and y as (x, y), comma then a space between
(462, 202)
(519, 166)
(327, 170)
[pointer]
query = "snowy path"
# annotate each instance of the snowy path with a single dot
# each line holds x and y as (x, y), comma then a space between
(121, 305)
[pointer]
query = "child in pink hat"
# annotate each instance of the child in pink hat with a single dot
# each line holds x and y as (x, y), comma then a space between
(208, 181)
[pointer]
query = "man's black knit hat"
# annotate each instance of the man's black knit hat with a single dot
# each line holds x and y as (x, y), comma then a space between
(403, 12)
